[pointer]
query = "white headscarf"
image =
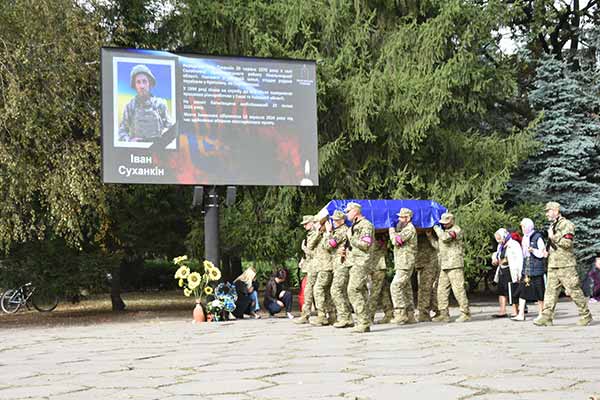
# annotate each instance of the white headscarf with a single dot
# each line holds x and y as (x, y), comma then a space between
(528, 229)
(502, 233)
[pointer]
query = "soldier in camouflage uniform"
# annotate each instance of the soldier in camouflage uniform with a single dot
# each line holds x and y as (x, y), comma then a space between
(324, 253)
(308, 246)
(379, 281)
(561, 268)
(341, 270)
(360, 239)
(426, 265)
(404, 240)
(433, 304)
(451, 259)
(145, 117)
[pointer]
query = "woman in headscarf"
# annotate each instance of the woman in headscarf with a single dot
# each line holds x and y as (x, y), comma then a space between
(509, 260)
(531, 286)
(246, 288)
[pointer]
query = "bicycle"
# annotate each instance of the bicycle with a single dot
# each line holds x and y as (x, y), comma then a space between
(42, 300)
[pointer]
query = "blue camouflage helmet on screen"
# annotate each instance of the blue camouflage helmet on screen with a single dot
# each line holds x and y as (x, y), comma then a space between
(141, 69)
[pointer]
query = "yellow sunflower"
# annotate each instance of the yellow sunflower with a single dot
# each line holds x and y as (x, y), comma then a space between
(181, 283)
(179, 260)
(182, 272)
(187, 292)
(208, 290)
(214, 274)
(194, 280)
(208, 265)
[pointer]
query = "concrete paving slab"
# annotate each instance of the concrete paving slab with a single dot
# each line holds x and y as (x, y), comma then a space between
(170, 358)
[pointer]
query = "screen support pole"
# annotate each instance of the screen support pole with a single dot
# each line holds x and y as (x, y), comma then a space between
(211, 227)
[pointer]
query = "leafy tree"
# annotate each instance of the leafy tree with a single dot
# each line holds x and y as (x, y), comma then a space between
(49, 149)
(408, 99)
(551, 27)
(52, 197)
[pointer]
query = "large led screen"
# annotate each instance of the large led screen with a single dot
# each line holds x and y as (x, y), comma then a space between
(188, 119)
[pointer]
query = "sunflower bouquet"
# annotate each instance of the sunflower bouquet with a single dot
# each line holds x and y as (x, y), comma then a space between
(196, 283)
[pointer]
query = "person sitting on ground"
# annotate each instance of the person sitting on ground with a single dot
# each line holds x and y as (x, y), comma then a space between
(509, 260)
(247, 300)
(276, 297)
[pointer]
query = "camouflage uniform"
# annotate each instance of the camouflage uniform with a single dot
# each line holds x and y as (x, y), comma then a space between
(322, 289)
(378, 282)
(144, 118)
(341, 274)
(428, 270)
(405, 252)
(360, 238)
(310, 266)
(562, 272)
(451, 259)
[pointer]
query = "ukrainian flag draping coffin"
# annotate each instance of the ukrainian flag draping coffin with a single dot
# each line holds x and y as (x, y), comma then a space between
(382, 213)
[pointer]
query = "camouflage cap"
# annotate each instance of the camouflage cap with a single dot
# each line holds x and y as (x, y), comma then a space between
(306, 219)
(353, 205)
(552, 205)
(446, 218)
(141, 69)
(405, 212)
(337, 215)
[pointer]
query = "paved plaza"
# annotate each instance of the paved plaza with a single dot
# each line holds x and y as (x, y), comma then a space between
(272, 358)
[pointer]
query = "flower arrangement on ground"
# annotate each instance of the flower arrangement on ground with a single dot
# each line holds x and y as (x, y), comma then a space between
(223, 301)
(195, 278)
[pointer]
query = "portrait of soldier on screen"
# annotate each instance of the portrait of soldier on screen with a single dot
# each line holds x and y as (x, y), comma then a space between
(146, 117)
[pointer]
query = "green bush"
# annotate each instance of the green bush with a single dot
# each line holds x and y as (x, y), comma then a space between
(52, 264)
(152, 274)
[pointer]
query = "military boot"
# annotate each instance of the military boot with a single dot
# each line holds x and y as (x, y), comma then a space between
(443, 316)
(387, 318)
(400, 316)
(585, 320)
(302, 320)
(321, 320)
(542, 320)
(410, 317)
(343, 323)
(464, 317)
(424, 316)
(361, 329)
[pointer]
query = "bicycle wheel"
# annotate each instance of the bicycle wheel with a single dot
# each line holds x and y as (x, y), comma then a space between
(11, 301)
(44, 300)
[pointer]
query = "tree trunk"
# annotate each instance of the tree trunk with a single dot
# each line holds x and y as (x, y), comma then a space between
(226, 272)
(115, 290)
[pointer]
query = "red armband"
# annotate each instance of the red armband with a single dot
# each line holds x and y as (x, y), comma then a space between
(399, 241)
(367, 239)
(332, 243)
(569, 236)
(452, 234)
